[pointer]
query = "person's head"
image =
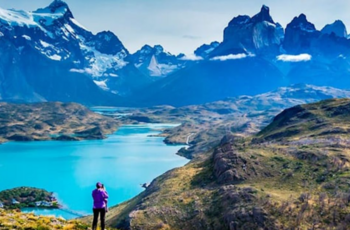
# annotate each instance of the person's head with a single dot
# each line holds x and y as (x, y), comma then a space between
(98, 185)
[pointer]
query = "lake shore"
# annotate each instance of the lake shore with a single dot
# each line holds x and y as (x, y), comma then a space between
(129, 156)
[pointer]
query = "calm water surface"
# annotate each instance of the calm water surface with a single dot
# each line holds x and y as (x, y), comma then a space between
(70, 169)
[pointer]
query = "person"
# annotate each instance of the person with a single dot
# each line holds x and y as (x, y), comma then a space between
(100, 197)
(106, 200)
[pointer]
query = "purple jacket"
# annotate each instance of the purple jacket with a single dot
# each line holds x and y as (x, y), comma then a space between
(100, 198)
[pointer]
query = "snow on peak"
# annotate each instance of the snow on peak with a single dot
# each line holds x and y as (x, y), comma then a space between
(41, 17)
(16, 18)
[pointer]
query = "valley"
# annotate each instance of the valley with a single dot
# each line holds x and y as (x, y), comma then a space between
(247, 132)
(256, 182)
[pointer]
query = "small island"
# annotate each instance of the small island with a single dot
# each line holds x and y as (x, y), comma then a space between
(26, 197)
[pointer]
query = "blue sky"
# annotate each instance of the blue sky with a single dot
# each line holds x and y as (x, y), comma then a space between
(183, 25)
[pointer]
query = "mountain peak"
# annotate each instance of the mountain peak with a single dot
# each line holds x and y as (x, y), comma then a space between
(337, 27)
(157, 49)
(58, 3)
(263, 15)
(57, 7)
(266, 8)
(302, 23)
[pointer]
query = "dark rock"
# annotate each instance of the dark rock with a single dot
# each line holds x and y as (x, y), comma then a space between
(93, 133)
(338, 28)
(18, 137)
(65, 138)
(256, 35)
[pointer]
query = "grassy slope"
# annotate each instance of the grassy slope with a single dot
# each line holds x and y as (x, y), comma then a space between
(17, 220)
(301, 179)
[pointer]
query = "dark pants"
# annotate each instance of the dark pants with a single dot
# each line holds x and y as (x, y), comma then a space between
(97, 212)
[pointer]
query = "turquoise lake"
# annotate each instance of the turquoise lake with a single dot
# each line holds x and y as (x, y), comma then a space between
(122, 162)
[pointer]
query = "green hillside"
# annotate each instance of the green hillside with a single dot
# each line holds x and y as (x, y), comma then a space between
(293, 174)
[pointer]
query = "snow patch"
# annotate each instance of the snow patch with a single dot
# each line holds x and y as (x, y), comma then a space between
(154, 68)
(77, 23)
(99, 63)
(159, 70)
(17, 18)
(27, 37)
(45, 44)
(102, 85)
(55, 57)
(294, 58)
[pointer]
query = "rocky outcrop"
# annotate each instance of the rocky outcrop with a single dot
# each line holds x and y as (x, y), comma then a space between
(230, 165)
(91, 134)
(256, 35)
(241, 210)
(205, 50)
(337, 27)
(302, 37)
(299, 36)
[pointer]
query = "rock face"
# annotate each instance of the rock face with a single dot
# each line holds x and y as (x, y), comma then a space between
(302, 37)
(338, 28)
(205, 50)
(256, 35)
(229, 165)
(300, 34)
(156, 62)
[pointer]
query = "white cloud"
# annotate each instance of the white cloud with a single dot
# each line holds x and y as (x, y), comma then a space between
(191, 57)
(231, 57)
(294, 58)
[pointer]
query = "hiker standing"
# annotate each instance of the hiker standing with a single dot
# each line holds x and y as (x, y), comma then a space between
(100, 197)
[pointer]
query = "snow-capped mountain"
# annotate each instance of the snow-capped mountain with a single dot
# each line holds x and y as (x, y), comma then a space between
(48, 56)
(53, 57)
(156, 62)
(257, 55)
